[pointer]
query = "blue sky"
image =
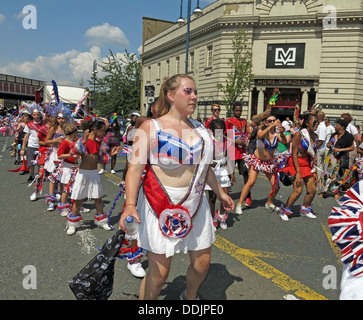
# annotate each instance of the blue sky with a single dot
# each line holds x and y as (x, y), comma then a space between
(71, 34)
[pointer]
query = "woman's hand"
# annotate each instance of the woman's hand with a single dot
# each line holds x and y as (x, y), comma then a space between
(115, 151)
(226, 201)
(130, 210)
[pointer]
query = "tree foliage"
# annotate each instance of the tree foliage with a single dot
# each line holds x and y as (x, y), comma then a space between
(240, 77)
(118, 84)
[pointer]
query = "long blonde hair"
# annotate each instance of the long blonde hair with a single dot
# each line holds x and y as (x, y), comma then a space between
(171, 84)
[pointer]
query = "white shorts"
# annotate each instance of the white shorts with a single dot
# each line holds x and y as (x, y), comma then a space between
(87, 185)
(150, 237)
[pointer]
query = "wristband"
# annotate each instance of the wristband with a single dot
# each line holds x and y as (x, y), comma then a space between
(130, 204)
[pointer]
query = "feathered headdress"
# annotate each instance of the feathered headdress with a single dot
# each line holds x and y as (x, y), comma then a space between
(60, 110)
(55, 91)
(35, 108)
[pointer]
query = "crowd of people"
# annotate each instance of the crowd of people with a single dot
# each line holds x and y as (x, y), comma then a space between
(172, 160)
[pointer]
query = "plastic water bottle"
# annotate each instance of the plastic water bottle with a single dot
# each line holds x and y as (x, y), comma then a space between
(132, 228)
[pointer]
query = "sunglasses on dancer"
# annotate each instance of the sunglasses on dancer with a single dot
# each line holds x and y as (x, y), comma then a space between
(271, 121)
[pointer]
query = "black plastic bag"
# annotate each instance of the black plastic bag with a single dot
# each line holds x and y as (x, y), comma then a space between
(95, 280)
(286, 178)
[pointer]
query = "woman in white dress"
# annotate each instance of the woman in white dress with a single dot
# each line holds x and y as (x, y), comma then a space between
(170, 206)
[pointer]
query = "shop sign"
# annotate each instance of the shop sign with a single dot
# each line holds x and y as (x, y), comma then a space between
(285, 56)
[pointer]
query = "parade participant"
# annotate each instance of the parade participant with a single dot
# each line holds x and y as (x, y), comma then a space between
(171, 208)
(343, 144)
(30, 146)
(87, 183)
(216, 111)
(301, 165)
(237, 126)
(43, 150)
(69, 165)
(352, 129)
(221, 170)
(321, 143)
(55, 136)
(263, 160)
(110, 140)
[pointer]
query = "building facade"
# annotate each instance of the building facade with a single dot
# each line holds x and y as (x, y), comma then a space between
(312, 50)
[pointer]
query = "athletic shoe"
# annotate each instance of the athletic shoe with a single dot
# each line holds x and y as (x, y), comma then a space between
(103, 224)
(239, 209)
(84, 210)
(113, 171)
(33, 196)
(64, 212)
(272, 206)
(101, 171)
(136, 269)
(284, 213)
(30, 179)
(248, 202)
(51, 206)
(183, 297)
(306, 212)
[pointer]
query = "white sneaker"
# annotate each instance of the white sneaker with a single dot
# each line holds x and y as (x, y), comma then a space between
(239, 209)
(51, 206)
(113, 171)
(136, 269)
(33, 196)
(103, 224)
(64, 212)
(308, 215)
(272, 206)
(71, 228)
(101, 171)
(283, 217)
(58, 196)
(84, 210)
(223, 225)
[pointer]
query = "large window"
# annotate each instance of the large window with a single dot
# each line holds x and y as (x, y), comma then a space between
(209, 57)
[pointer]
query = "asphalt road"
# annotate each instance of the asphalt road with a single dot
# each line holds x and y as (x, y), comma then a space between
(259, 256)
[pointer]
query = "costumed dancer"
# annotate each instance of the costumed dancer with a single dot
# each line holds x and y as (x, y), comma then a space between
(60, 115)
(69, 166)
(342, 143)
(87, 183)
(263, 158)
(346, 225)
(172, 211)
(110, 140)
(237, 135)
(43, 151)
(222, 169)
(301, 165)
(30, 146)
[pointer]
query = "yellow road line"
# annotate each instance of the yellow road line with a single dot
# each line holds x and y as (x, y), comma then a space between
(249, 259)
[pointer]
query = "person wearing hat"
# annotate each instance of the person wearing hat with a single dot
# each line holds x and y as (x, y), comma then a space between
(30, 146)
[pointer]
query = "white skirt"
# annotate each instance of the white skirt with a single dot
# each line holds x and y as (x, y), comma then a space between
(49, 163)
(66, 172)
(150, 237)
(87, 184)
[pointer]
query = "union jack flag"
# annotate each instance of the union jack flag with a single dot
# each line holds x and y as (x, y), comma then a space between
(346, 225)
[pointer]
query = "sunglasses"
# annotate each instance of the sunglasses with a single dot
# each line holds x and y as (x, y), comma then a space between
(270, 121)
(214, 110)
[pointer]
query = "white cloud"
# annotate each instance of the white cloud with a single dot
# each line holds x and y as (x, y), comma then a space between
(106, 34)
(2, 18)
(66, 68)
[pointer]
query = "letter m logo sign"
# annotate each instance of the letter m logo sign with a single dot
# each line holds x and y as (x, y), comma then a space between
(285, 58)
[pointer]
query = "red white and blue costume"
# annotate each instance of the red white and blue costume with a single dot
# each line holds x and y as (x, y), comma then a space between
(176, 219)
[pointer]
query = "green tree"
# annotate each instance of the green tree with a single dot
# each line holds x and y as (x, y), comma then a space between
(240, 77)
(118, 84)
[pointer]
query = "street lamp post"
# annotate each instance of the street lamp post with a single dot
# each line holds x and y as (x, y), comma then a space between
(94, 73)
(198, 12)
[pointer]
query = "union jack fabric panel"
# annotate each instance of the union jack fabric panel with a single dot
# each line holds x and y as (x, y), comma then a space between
(346, 224)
